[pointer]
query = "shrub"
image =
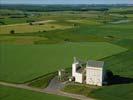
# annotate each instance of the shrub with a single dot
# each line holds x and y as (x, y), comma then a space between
(12, 32)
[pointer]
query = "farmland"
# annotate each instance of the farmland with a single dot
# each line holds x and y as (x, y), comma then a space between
(19, 57)
(23, 28)
(35, 42)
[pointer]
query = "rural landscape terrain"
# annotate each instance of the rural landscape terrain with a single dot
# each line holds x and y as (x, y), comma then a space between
(38, 40)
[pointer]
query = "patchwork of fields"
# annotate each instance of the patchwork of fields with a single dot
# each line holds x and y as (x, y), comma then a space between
(25, 28)
(48, 41)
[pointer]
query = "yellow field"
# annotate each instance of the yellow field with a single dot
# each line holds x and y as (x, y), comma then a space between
(26, 28)
(20, 39)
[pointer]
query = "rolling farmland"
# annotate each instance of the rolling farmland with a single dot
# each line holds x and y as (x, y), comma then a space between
(35, 42)
(48, 58)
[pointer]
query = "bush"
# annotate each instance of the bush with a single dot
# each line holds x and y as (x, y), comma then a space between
(2, 23)
(12, 32)
(66, 39)
(52, 26)
(44, 31)
(30, 23)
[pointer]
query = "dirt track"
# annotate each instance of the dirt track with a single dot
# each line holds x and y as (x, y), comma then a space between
(49, 91)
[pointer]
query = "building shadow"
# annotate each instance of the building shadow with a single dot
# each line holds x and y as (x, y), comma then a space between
(116, 79)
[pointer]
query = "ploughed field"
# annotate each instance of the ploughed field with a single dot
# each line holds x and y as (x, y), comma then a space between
(20, 63)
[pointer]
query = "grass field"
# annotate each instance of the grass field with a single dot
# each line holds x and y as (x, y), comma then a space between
(120, 64)
(20, 94)
(21, 39)
(23, 28)
(47, 58)
(117, 92)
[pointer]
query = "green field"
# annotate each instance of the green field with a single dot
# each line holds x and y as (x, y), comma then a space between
(21, 39)
(120, 64)
(47, 58)
(20, 94)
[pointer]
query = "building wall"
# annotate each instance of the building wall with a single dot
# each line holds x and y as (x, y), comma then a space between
(74, 67)
(79, 78)
(94, 76)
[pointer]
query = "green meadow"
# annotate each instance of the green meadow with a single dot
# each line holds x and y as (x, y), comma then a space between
(17, 60)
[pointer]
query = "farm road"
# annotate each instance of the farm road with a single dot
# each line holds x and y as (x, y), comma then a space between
(60, 93)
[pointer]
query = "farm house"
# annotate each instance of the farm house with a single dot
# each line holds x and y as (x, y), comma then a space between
(90, 72)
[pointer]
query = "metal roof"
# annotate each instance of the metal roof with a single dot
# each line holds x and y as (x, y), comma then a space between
(93, 63)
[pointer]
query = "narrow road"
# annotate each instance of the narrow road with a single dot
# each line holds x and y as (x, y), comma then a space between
(55, 92)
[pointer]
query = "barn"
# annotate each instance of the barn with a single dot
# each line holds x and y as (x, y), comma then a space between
(95, 73)
(91, 72)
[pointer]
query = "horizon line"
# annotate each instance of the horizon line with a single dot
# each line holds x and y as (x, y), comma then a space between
(69, 4)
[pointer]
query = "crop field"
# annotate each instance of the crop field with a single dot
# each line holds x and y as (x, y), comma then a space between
(9, 94)
(25, 28)
(21, 39)
(47, 58)
(121, 65)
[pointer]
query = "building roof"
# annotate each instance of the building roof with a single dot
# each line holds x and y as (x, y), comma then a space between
(93, 63)
(76, 60)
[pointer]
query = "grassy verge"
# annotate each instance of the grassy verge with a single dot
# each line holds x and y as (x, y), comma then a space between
(8, 93)
(79, 89)
(43, 81)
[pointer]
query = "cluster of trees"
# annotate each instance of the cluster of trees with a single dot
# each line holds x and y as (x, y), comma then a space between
(48, 8)
(2, 23)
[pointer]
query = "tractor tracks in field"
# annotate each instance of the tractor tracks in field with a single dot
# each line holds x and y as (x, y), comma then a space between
(48, 90)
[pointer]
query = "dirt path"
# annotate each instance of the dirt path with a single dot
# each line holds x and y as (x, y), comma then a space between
(56, 92)
(55, 86)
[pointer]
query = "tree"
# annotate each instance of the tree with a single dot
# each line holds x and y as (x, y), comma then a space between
(66, 40)
(30, 23)
(12, 32)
